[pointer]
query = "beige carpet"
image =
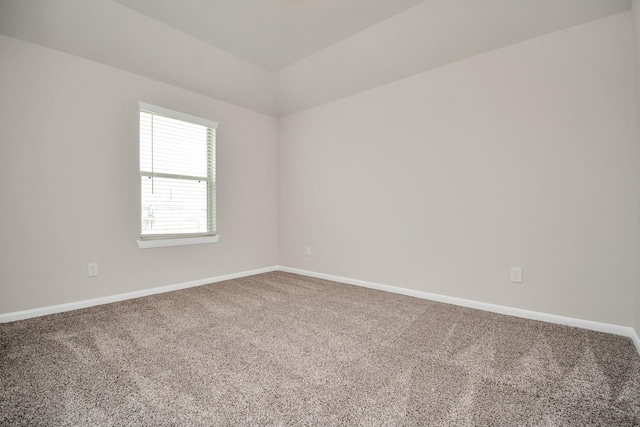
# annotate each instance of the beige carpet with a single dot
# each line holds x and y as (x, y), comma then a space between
(282, 349)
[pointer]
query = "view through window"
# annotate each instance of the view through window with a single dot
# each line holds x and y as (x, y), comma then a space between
(177, 174)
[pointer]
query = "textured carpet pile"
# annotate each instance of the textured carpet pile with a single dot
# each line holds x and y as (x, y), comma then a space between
(282, 349)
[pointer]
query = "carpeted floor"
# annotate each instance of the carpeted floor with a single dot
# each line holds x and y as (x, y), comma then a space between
(282, 349)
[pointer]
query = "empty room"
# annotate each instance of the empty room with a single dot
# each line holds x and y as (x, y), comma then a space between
(320, 212)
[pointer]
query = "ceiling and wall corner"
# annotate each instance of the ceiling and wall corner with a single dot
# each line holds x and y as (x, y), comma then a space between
(429, 35)
(111, 34)
(283, 56)
(270, 33)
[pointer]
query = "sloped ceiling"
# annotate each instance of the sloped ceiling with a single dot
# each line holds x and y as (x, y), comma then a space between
(270, 33)
(283, 56)
(429, 35)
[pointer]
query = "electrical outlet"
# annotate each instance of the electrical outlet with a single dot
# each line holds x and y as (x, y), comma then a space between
(307, 251)
(92, 270)
(516, 274)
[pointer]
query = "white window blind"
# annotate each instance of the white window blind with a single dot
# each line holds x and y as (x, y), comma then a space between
(177, 174)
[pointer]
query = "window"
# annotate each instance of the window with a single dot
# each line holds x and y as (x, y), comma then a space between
(177, 178)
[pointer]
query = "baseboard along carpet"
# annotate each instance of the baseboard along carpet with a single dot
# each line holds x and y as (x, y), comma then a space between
(283, 349)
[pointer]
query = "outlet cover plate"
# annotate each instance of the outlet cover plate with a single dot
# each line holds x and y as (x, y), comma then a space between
(516, 274)
(92, 269)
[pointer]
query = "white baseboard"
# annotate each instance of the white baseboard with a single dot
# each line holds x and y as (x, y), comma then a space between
(527, 314)
(26, 314)
(517, 312)
(636, 340)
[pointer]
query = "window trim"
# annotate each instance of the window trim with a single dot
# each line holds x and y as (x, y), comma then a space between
(177, 115)
(176, 241)
(159, 241)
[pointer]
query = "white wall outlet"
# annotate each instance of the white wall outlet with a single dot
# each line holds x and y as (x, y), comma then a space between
(307, 251)
(516, 274)
(92, 270)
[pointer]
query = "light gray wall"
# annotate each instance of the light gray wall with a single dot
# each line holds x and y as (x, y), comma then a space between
(524, 156)
(69, 182)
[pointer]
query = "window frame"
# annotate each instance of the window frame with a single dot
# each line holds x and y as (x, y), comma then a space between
(181, 239)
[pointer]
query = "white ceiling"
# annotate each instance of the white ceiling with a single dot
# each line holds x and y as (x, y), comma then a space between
(270, 33)
(283, 56)
(429, 35)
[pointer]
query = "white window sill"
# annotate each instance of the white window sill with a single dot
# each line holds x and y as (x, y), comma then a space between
(163, 243)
